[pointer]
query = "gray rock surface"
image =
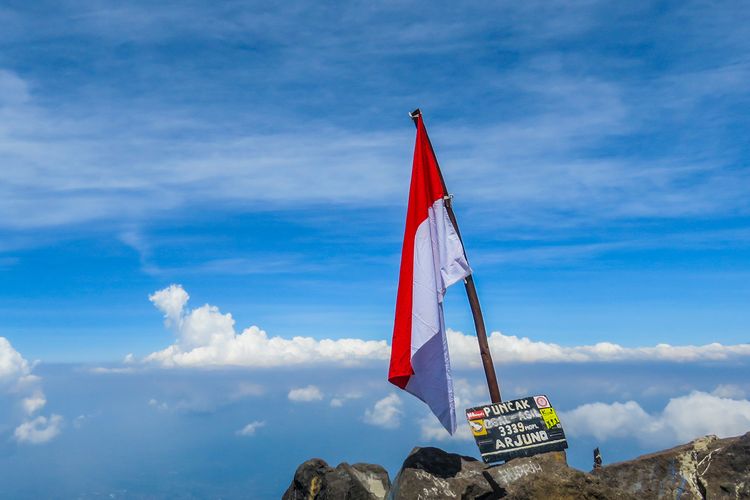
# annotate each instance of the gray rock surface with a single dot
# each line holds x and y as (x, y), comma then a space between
(706, 468)
(430, 473)
(314, 479)
(434, 473)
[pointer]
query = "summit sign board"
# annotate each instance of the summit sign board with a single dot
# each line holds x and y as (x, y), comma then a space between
(517, 428)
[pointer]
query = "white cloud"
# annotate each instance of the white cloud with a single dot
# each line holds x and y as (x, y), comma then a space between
(683, 418)
(511, 349)
(249, 429)
(385, 413)
(431, 429)
(245, 389)
(729, 391)
(305, 394)
(39, 430)
(159, 405)
(17, 378)
(111, 369)
(207, 337)
(80, 420)
(34, 403)
(13, 367)
(171, 301)
(340, 399)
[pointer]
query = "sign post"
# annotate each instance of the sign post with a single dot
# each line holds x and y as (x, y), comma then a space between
(517, 428)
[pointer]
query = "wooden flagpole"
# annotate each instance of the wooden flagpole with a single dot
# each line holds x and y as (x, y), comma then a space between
(471, 292)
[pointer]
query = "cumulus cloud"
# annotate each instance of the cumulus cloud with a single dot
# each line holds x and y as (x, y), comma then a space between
(207, 337)
(249, 429)
(171, 301)
(16, 377)
(305, 394)
(14, 369)
(385, 413)
(38, 430)
(682, 419)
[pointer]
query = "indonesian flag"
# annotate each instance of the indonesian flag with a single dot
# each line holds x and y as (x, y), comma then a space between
(432, 260)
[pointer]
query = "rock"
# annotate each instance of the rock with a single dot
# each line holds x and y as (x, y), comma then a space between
(725, 470)
(315, 480)
(548, 476)
(431, 473)
(705, 468)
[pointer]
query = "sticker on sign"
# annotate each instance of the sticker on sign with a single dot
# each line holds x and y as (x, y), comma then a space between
(517, 428)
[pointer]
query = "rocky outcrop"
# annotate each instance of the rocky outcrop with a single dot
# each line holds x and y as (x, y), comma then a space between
(430, 473)
(706, 468)
(314, 479)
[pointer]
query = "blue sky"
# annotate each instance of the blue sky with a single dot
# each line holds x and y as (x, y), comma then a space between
(259, 156)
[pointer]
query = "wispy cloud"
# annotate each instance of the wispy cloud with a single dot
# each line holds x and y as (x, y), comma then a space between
(559, 137)
(305, 394)
(251, 428)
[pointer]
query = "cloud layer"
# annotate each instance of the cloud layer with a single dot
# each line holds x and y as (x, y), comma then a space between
(206, 337)
(682, 419)
(511, 349)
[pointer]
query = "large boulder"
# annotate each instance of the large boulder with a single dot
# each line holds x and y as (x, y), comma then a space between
(316, 480)
(431, 473)
(548, 476)
(705, 468)
(434, 473)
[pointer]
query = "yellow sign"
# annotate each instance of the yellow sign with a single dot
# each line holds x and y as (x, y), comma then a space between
(477, 427)
(550, 417)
